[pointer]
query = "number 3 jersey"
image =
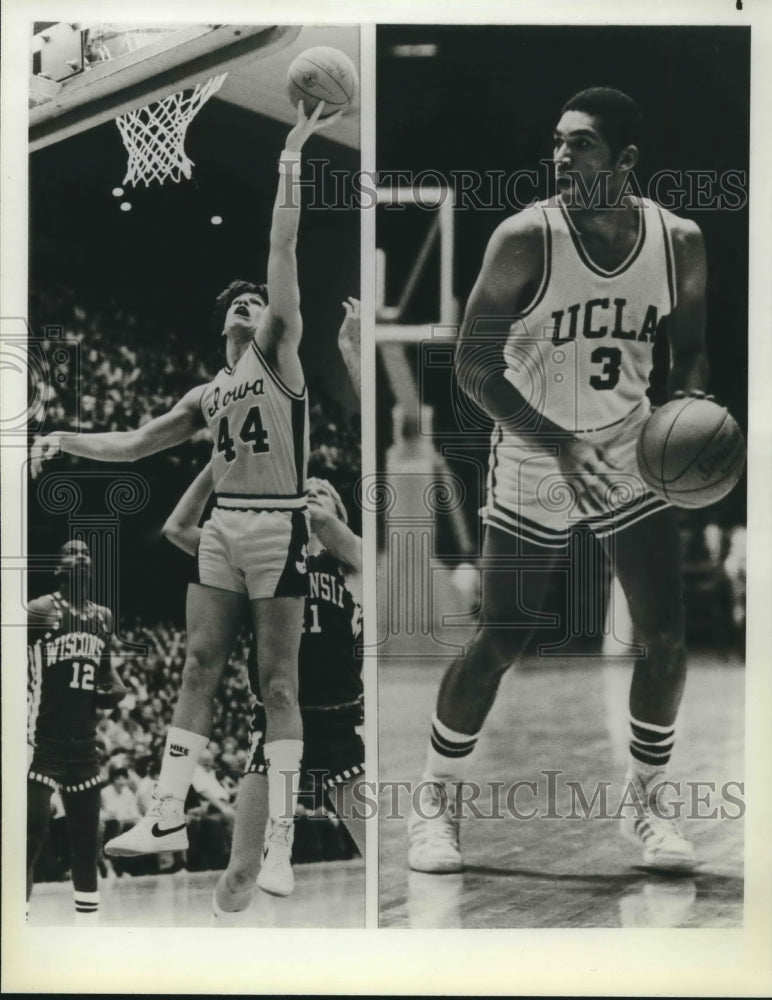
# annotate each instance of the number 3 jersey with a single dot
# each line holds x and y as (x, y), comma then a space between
(259, 429)
(581, 352)
(63, 664)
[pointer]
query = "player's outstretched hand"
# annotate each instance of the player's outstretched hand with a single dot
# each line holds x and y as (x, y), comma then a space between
(43, 448)
(589, 472)
(307, 125)
(349, 333)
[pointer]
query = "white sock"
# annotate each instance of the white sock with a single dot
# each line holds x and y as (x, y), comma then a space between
(86, 907)
(283, 760)
(448, 754)
(181, 753)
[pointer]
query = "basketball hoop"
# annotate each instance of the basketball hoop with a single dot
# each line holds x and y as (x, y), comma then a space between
(154, 136)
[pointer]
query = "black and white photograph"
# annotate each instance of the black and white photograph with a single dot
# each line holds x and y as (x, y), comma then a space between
(562, 333)
(194, 589)
(385, 489)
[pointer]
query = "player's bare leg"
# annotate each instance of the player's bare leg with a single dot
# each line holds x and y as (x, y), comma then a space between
(38, 817)
(510, 599)
(278, 625)
(236, 886)
(647, 557)
(82, 813)
(213, 618)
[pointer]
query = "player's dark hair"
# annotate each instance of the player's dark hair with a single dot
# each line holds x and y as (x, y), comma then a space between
(619, 116)
(223, 301)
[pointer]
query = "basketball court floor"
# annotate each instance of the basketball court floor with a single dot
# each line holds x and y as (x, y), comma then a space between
(329, 894)
(568, 717)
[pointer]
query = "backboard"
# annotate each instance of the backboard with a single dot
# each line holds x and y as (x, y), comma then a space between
(84, 74)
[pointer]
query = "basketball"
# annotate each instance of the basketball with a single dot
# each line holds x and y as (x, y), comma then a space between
(691, 452)
(322, 74)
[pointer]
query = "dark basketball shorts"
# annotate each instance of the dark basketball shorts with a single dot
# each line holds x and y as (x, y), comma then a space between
(259, 553)
(333, 753)
(57, 773)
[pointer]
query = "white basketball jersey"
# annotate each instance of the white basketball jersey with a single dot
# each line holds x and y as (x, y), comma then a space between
(581, 353)
(259, 431)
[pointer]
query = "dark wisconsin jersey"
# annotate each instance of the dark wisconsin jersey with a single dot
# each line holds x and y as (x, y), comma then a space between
(329, 663)
(259, 431)
(63, 664)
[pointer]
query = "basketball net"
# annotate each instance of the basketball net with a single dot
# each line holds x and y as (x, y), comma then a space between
(154, 136)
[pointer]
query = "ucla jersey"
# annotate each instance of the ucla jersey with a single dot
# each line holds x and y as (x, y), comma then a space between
(259, 430)
(581, 352)
(63, 662)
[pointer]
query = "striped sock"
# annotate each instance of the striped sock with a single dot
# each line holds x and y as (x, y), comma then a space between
(86, 907)
(448, 752)
(650, 748)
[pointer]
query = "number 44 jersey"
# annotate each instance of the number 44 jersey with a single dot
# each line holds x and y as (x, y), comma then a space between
(259, 429)
(63, 665)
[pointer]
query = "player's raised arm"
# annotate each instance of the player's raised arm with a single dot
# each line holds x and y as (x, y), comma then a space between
(166, 431)
(182, 525)
(349, 342)
(280, 331)
(686, 324)
(334, 534)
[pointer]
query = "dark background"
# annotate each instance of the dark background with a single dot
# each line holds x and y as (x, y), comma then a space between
(489, 100)
(163, 263)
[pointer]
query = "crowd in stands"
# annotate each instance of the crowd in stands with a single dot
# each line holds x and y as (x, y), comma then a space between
(99, 369)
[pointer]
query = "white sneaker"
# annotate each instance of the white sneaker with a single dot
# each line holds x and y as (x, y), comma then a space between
(162, 828)
(652, 826)
(433, 831)
(275, 876)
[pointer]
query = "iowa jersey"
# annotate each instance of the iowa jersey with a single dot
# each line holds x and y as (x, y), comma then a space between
(581, 353)
(329, 665)
(63, 662)
(259, 430)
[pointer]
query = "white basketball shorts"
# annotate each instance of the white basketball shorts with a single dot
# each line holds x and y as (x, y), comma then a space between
(260, 553)
(529, 496)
